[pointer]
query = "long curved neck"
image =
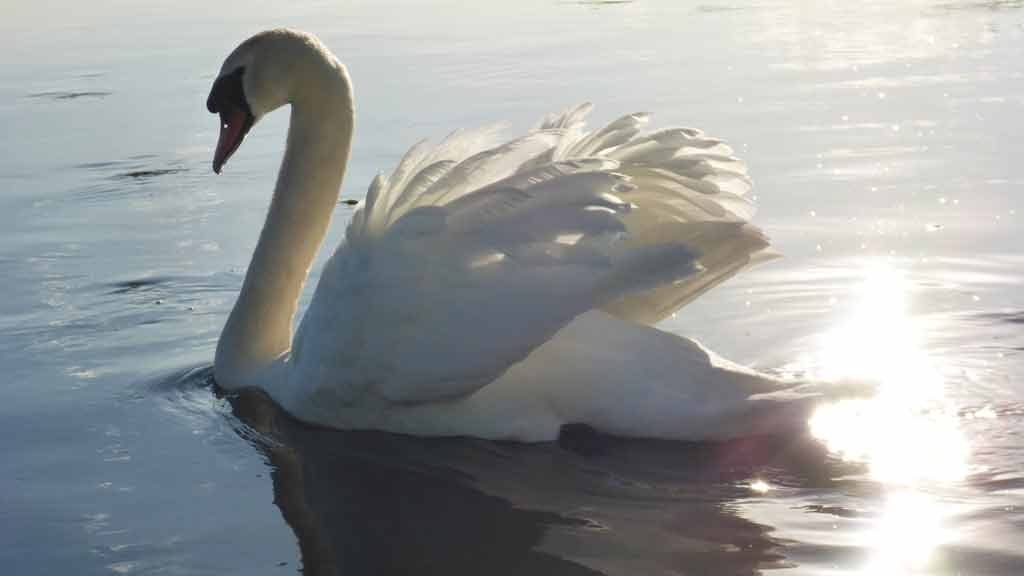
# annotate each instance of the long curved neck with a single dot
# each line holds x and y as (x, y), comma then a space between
(259, 328)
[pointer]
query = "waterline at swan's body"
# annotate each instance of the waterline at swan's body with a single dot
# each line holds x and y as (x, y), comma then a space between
(490, 289)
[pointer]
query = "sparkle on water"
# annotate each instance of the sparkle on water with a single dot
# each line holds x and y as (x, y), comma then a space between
(911, 527)
(908, 433)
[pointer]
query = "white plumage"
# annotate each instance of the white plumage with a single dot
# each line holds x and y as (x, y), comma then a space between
(499, 289)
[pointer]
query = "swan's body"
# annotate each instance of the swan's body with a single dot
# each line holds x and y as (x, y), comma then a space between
(497, 292)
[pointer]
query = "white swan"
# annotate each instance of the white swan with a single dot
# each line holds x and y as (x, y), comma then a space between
(490, 291)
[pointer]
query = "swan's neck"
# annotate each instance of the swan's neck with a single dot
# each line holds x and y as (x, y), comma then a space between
(259, 329)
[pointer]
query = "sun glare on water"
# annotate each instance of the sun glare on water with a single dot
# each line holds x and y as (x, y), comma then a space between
(908, 434)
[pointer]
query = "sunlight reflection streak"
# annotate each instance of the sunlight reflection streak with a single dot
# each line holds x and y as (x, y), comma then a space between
(908, 434)
(907, 534)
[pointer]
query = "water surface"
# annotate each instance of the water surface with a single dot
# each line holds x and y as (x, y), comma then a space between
(884, 141)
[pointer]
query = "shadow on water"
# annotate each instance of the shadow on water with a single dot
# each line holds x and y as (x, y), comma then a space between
(70, 94)
(108, 180)
(150, 173)
(378, 503)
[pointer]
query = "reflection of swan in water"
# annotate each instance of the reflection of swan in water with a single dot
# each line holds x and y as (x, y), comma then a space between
(377, 503)
(498, 292)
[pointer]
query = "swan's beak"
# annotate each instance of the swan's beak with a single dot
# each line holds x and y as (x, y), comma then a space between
(234, 125)
(227, 98)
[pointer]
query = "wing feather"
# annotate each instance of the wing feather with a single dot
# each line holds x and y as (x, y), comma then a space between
(419, 183)
(508, 243)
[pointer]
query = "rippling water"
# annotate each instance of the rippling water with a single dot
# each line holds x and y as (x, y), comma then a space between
(884, 141)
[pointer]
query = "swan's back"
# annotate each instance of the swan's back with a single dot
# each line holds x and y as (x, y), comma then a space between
(471, 254)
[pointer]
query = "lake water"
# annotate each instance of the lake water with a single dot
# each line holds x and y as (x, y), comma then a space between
(884, 139)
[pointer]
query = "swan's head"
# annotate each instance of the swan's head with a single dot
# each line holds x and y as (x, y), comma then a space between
(257, 78)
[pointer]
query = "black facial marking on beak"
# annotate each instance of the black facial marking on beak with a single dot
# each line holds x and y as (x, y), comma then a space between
(227, 98)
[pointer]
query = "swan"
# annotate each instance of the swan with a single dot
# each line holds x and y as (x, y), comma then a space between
(492, 289)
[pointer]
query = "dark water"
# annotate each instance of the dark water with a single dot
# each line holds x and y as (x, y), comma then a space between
(884, 139)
